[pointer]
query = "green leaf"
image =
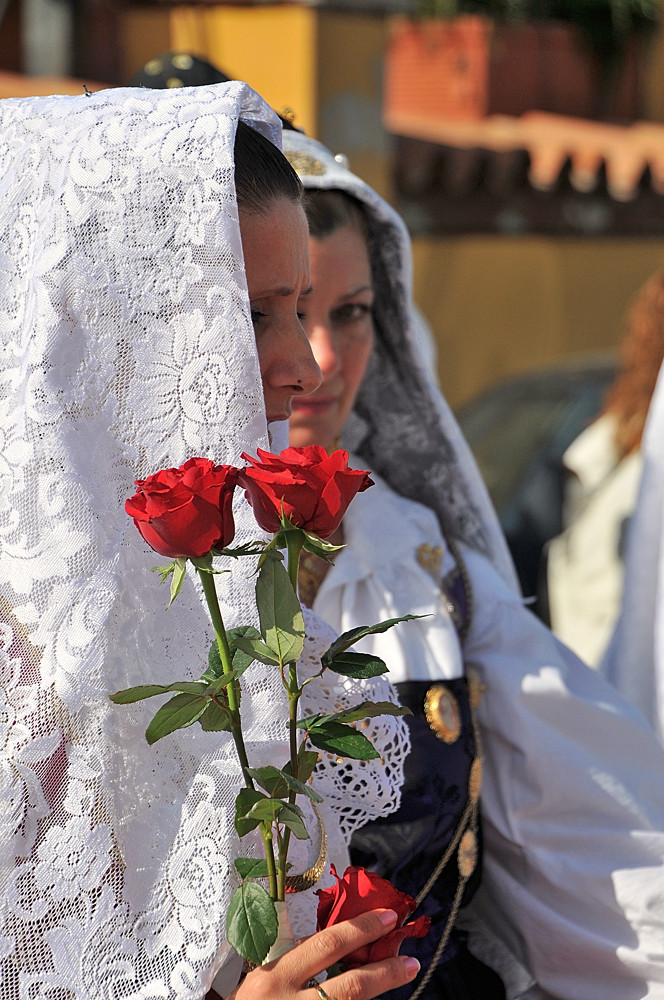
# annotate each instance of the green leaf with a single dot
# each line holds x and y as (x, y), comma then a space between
(164, 571)
(291, 817)
(271, 779)
(273, 810)
(358, 665)
(306, 762)
(257, 650)
(248, 549)
(132, 694)
(346, 640)
(277, 783)
(179, 570)
(214, 719)
(365, 710)
(319, 547)
(334, 737)
(251, 867)
(251, 923)
(370, 710)
(281, 619)
(178, 713)
(298, 786)
(244, 803)
(142, 691)
(241, 659)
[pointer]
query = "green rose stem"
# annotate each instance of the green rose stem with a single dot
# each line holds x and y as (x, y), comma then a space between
(210, 591)
(294, 543)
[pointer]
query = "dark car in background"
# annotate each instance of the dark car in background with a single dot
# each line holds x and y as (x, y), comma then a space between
(518, 430)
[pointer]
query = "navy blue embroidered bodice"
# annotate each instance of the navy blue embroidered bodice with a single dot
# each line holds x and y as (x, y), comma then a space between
(441, 778)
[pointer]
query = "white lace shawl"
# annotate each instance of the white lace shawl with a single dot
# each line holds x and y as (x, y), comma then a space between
(126, 346)
(412, 441)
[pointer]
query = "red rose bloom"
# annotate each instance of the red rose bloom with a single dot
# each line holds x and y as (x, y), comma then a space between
(358, 891)
(186, 512)
(313, 488)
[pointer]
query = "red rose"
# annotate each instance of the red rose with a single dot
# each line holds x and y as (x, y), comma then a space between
(313, 488)
(186, 512)
(358, 891)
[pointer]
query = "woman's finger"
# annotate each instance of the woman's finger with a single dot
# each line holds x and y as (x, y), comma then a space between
(328, 946)
(370, 980)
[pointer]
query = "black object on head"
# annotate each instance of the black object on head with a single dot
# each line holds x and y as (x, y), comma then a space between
(262, 172)
(177, 69)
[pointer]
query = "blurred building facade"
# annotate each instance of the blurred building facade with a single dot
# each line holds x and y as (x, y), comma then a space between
(513, 268)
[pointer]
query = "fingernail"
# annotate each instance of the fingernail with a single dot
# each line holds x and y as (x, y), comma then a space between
(411, 965)
(388, 918)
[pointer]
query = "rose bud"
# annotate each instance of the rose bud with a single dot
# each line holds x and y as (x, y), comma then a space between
(186, 512)
(356, 892)
(313, 488)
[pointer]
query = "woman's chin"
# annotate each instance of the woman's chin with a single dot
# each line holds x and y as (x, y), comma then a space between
(301, 436)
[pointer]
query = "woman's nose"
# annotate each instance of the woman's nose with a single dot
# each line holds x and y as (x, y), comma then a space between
(304, 372)
(325, 349)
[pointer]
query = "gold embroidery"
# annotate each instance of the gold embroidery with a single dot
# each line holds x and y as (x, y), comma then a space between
(430, 558)
(476, 688)
(442, 713)
(475, 780)
(303, 163)
(467, 856)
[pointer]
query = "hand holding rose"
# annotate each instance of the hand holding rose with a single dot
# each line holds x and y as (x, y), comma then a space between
(282, 980)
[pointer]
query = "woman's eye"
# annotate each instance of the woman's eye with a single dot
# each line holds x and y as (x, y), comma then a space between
(257, 315)
(351, 312)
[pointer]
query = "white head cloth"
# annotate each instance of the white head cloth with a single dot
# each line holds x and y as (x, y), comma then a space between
(126, 346)
(401, 425)
(634, 660)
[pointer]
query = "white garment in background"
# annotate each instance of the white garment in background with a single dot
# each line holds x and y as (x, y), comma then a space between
(634, 661)
(585, 564)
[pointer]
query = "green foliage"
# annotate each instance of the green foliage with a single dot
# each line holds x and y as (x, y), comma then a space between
(358, 665)
(178, 713)
(334, 737)
(347, 639)
(251, 867)
(306, 762)
(278, 783)
(251, 923)
(279, 611)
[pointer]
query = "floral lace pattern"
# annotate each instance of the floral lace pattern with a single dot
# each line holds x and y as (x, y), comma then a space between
(126, 345)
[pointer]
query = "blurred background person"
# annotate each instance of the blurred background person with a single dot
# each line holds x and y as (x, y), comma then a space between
(584, 566)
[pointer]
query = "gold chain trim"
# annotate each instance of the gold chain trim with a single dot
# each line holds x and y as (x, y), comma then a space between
(307, 880)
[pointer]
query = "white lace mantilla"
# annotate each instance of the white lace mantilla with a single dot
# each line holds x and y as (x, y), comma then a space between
(126, 345)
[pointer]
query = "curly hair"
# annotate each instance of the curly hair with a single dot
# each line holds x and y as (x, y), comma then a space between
(641, 356)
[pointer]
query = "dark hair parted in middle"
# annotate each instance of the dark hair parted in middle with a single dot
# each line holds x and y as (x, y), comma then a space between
(262, 172)
(328, 211)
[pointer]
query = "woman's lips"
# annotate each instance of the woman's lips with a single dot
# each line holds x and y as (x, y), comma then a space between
(311, 406)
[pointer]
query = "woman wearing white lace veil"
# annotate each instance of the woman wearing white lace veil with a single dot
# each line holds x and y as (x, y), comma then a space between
(127, 346)
(571, 898)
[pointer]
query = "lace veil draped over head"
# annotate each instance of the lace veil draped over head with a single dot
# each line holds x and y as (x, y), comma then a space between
(412, 441)
(126, 346)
